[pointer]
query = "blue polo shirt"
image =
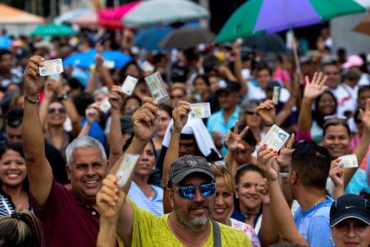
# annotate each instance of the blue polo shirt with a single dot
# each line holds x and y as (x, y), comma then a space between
(216, 123)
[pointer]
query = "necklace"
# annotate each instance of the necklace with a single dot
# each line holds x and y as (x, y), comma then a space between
(320, 200)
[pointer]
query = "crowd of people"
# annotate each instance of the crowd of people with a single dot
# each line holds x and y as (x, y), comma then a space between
(197, 182)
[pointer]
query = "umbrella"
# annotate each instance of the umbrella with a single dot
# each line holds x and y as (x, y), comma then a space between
(269, 43)
(87, 19)
(71, 15)
(10, 15)
(53, 30)
(150, 38)
(158, 12)
(86, 59)
(111, 17)
(363, 26)
(257, 17)
(185, 38)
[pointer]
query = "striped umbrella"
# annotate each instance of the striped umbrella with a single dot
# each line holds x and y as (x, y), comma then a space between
(258, 17)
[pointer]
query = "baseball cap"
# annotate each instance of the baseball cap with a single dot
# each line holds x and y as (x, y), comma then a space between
(350, 206)
(186, 165)
(227, 86)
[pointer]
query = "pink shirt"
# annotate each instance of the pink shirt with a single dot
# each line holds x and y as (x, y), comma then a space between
(248, 230)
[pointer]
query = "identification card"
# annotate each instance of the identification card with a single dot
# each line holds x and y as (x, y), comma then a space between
(129, 85)
(275, 97)
(348, 161)
(200, 110)
(125, 168)
(51, 67)
(156, 86)
(147, 67)
(105, 106)
(108, 64)
(275, 138)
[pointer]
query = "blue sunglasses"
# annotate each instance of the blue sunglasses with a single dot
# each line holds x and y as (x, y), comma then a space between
(188, 191)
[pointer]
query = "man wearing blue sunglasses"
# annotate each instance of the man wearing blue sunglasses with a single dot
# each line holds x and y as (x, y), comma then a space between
(191, 191)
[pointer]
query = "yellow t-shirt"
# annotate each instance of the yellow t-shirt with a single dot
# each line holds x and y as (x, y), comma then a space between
(151, 230)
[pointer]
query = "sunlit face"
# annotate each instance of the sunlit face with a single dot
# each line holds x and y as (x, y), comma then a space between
(244, 156)
(200, 86)
(193, 213)
(87, 172)
(12, 169)
(326, 104)
(246, 189)
(350, 233)
(333, 76)
(337, 141)
(263, 76)
(224, 205)
(56, 114)
(164, 120)
(146, 163)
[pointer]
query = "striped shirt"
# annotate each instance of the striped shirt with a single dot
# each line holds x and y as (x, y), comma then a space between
(154, 204)
(6, 205)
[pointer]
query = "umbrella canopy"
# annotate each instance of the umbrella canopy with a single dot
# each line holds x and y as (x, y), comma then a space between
(363, 26)
(53, 29)
(10, 15)
(86, 59)
(159, 12)
(87, 19)
(150, 38)
(185, 38)
(111, 17)
(269, 43)
(257, 17)
(69, 16)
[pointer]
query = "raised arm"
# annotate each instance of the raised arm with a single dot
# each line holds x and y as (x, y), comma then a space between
(48, 95)
(38, 168)
(312, 90)
(363, 146)
(92, 114)
(236, 53)
(180, 117)
(279, 208)
(115, 133)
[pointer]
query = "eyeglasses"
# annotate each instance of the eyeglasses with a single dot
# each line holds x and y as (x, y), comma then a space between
(53, 110)
(331, 73)
(188, 191)
(333, 120)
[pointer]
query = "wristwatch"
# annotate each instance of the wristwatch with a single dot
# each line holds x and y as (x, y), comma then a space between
(63, 97)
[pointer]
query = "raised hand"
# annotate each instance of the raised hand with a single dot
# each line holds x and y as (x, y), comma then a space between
(33, 82)
(336, 173)
(233, 139)
(146, 120)
(116, 98)
(262, 190)
(315, 87)
(110, 199)
(49, 89)
(285, 157)
(266, 161)
(365, 115)
(180, 115)
(267, 112)
(92, 113)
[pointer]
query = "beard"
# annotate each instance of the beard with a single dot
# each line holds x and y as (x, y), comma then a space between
(193, 224)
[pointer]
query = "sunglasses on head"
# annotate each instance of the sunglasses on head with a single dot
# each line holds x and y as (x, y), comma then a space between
(53, 110)
(252, 113)
(188, 191)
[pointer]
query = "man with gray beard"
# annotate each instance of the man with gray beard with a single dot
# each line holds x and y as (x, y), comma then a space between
(191, 191)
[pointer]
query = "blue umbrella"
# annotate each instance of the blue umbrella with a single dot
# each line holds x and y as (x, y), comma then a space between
(150, 38)
(86, 59)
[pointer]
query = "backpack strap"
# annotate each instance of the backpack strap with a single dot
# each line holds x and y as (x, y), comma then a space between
(216, 234)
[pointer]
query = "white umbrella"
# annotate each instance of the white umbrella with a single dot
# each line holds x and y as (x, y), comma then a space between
(162, 12)
(71, 15)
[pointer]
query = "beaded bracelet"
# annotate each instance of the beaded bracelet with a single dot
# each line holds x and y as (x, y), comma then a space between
(32, 101)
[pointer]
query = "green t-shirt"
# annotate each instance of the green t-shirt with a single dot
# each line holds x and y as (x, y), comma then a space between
(151, 230)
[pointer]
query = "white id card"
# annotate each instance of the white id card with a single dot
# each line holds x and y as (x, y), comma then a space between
(125, 168)
(348, 161)
(105, 105)
(275, 97)
(108, 64)
(200, 110)
(275, 138)
(156, 86)
(129, 85)
(51, 67)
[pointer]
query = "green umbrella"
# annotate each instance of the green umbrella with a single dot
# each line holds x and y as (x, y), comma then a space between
(53, 30)
(258, 17)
